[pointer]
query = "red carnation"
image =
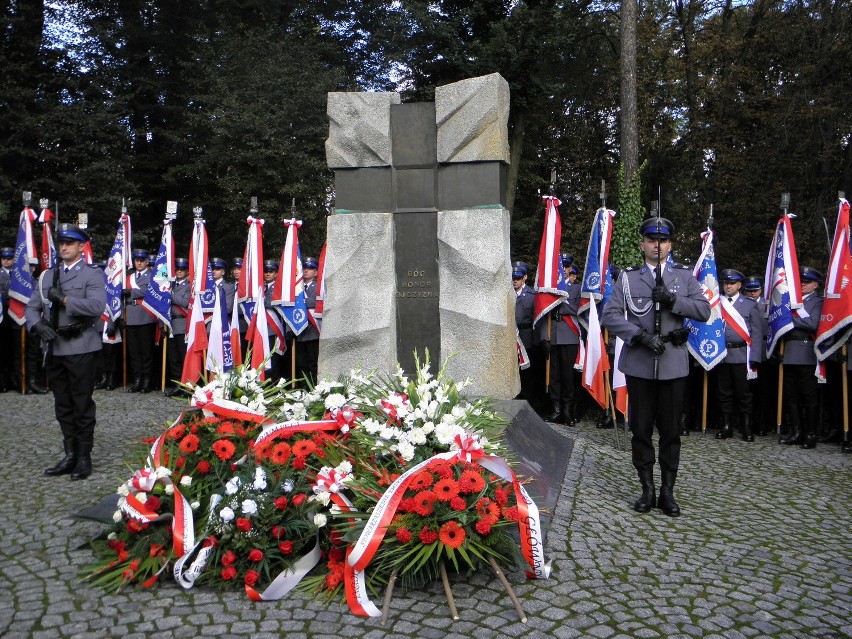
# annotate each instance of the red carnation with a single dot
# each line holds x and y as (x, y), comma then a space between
(243, 524)
(336, 554)
(483, 527)
(228, 573)
(280, 502)
(286, 547)
(403, 535)
(189, 444)
(255, 555)
(501, 496)
(458, 503)
(298, 462)
(224, 449)
(427, 536)
(229, 558)
(203, 467)
(251, 577)
(299, 499)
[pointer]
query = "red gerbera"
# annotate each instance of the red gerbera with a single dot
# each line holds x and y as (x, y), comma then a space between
(501, 496)
(178, 431)
(304, 448)
(442, 469)
(224, 449)
(511, 513)
(261, 450)
(446, 489)
(451, 534)
(189, 444)
(421, 480)
(458, 503)
(403, 535)
(225, 428)
(487, 508)
(280, 453)
(424, 502)
(471, 482)
(483, 527)
(203, 467)
(427, 536)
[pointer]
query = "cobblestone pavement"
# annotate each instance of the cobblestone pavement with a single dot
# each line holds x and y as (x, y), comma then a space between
(762, 550)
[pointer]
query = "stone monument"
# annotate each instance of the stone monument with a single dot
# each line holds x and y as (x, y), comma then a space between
(418, 242)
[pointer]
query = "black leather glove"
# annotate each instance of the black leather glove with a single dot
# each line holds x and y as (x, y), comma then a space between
(55, 295)
(110, 330)
(125, 293)
(118, 324)
(664, 296)
(652, 342)
(545, 347)
(43, 330)
(754, 365)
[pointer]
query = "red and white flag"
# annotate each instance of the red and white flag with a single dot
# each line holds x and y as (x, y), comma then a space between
(597, 362)
(236, 345)
(289, 282)
(251, 275)
(551, 285)
(196, 344)
(619, 381)
(47, 256)
(257, 336)
(835, 323)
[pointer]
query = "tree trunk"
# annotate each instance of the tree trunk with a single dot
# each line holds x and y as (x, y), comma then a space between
(516, 145)
(629, 118)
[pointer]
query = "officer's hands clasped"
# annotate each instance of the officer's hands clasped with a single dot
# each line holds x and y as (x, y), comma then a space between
(44, 330)
(652, 342)
(664, 296)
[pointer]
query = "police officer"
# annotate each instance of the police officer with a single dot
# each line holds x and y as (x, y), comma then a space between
(764, 388)
(236, 269)
(654, 358)
(742, 357)
(141, 326)
(10, 339)
(307, 350)
(801, 387)
(277, 360)
(179, 313)
(560, 339)
(524, 315)
(219, 267)
(62, 311)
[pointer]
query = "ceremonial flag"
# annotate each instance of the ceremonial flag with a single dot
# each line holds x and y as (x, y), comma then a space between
(706, 342)
(219, 357)
(158, 293)
(619, 381)
(21, 283)
(257, 336)
(835, 323)
(551, 285)
(236, 346)
(288, 292)
(47, 257)
(251, 275)
(200, 272)
(118, 264)
(597, 362)
(782, 287)
(597, 257)
(196, 343)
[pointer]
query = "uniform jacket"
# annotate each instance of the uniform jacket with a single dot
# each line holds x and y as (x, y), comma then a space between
(229, 288)
(5, 278)
(524, 302)
(136, 314)
(180, 300)
(310, 333)
(630, 310)
(561, 333)
(754, 321)
(84, 287)
(799, 351)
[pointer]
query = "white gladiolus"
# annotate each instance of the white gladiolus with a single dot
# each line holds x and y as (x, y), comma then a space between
(226, 514)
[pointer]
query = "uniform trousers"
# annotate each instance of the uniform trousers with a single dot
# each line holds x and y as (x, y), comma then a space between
(801, 396)
(307, 354)
(562, 372)
(140, 349)
(10, 353)
(72, 379)
(657, 402)
(734, 389)
(175, 354)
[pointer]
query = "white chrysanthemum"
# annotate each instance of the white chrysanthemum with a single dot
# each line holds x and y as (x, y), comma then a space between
(249, 506)
(123, 490)
(226, 514)
(163, 472)
(372, 426)
(186, 480)
(428, 427)
(446, 433)
(334, 400)
(405, 450)
(288, 486)
(416, 436)
(233, 485)
(320, 520)
(169, 489)
(345, 467)
(259, 479)
(389, 433)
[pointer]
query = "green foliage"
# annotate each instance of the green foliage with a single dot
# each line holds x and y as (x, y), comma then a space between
(624, 251)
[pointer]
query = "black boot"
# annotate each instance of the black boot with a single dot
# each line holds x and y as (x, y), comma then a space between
(83, 468)
(34, 388)
(101, 383)
(726, 432)
(555, 416)
(648, 499)
(834, 436)
(136, 386)
(146, 385)
(748, 436)
(796, 436)
(67, 464)
(606, 422)
(667, 501)
(569, 414)
(110, 382)
(810, 427)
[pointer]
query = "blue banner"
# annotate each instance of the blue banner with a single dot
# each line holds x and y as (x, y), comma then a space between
(707, 339)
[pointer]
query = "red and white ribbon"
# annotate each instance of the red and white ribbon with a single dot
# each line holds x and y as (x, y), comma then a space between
(203, 398)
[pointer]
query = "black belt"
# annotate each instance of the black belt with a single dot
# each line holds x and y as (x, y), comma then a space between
(798, 336)
(737, 345)
(73, 330)
(524, 325)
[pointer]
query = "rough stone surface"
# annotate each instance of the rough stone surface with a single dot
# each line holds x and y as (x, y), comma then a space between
(472, 117)
(359, 325)
(359, 131)
(477, 307)
(763, 525)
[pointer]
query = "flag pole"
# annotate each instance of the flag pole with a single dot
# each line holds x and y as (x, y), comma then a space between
(704, 405)
(845, 397)
(780, 390)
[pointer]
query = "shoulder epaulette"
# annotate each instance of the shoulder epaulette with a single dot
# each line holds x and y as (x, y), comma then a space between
(683, 266)
(630, 269)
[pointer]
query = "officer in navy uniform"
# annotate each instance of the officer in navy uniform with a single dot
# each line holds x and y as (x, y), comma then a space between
(732, 374)
(560, 343)
(801, 387)
(219, 267)
(524, 315)
(655, 362)
(63, 311)
(307, 347)
(179, 313)
(10, 339)
(764, 389)
(141, 326)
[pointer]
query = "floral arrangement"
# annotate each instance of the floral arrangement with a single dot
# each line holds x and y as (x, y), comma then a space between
(337, 488)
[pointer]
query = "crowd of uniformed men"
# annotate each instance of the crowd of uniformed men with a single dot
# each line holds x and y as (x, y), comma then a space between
(67, 341)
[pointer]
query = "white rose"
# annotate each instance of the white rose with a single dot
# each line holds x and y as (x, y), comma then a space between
(232, 486)
(163, 472)
(249, 507)
(320, 520)
(244, 400)
(406, 451)
(195, 505)
(169, 489)
(186, 480)
(226, 514)
(116, 516)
